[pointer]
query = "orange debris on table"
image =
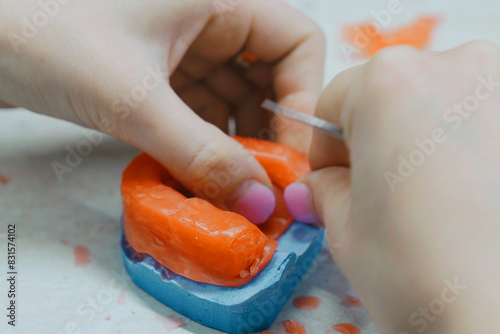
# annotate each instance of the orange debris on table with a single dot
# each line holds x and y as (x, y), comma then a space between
(284, 165)
(346, 328)
(294, 327)
(370, 41)
(195, 239)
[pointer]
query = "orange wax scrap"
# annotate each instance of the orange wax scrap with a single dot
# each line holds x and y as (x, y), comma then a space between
(346, 328)
(190, 236)
(306, 302)
(283, 164)
(370, 40)
(294, 327)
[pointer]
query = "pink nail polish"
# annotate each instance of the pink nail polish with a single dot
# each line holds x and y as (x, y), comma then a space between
(299, 202)
(254, 201)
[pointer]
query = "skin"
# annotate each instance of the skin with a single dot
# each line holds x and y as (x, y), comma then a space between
(399, 246)
(92, 54)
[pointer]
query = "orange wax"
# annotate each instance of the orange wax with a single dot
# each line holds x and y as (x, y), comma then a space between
(81, 256)
(195, 239)
(306, 303)
(416, 34)
(294, 327)
(346, 329)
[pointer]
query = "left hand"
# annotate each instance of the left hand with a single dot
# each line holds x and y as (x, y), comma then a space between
(159, 75)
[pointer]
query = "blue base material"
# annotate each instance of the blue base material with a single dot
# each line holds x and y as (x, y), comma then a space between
(250, 308)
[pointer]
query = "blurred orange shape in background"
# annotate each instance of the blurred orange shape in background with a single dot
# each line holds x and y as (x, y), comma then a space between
(369, 39)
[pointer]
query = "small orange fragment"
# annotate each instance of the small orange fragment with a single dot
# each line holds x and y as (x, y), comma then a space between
(367, 38)
(294, 327)
(192, 237)
(346, 329)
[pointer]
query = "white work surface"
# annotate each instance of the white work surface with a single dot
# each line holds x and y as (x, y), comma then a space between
(53, 217)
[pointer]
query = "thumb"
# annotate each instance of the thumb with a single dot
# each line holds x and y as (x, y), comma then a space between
(323, 196)
(207, 162)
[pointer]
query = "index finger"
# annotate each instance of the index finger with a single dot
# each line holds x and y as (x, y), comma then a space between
(326, 151)
(296, 45)
(276, 35)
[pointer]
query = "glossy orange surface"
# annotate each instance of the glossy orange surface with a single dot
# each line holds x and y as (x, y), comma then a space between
(294, 327)
(195, 239)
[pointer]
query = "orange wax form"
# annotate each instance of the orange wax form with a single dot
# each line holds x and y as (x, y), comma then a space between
(195, 239)
(416, 34)
(284, 165)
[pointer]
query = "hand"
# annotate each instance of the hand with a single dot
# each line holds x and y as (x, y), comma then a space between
(414, 223)
(159, 76)
(4, 105)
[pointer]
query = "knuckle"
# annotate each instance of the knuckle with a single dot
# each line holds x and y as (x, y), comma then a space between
(395, 53)
(311, 30)
(393, 59)
(393, 77)
(209, 157)
(483, 50)
(393, 70)
(478, 57)
(317, 32)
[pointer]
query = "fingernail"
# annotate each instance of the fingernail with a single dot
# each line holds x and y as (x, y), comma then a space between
(299, 202)
(254, 201)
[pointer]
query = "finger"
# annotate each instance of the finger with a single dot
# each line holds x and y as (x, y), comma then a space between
(261, 75)
(196, 66)
(180, 80)
(201, 157)
(206, 105)
(327, 151)
(246, 98)
(5, 105)
(251, 121)
(296, 46)
(323, 196)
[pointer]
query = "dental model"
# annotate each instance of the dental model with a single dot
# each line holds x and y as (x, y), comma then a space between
(208, 264)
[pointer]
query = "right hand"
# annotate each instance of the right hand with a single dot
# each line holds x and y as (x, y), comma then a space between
(419, 208)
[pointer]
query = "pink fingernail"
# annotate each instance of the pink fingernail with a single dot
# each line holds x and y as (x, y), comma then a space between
(299, 202)
(254, 201)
